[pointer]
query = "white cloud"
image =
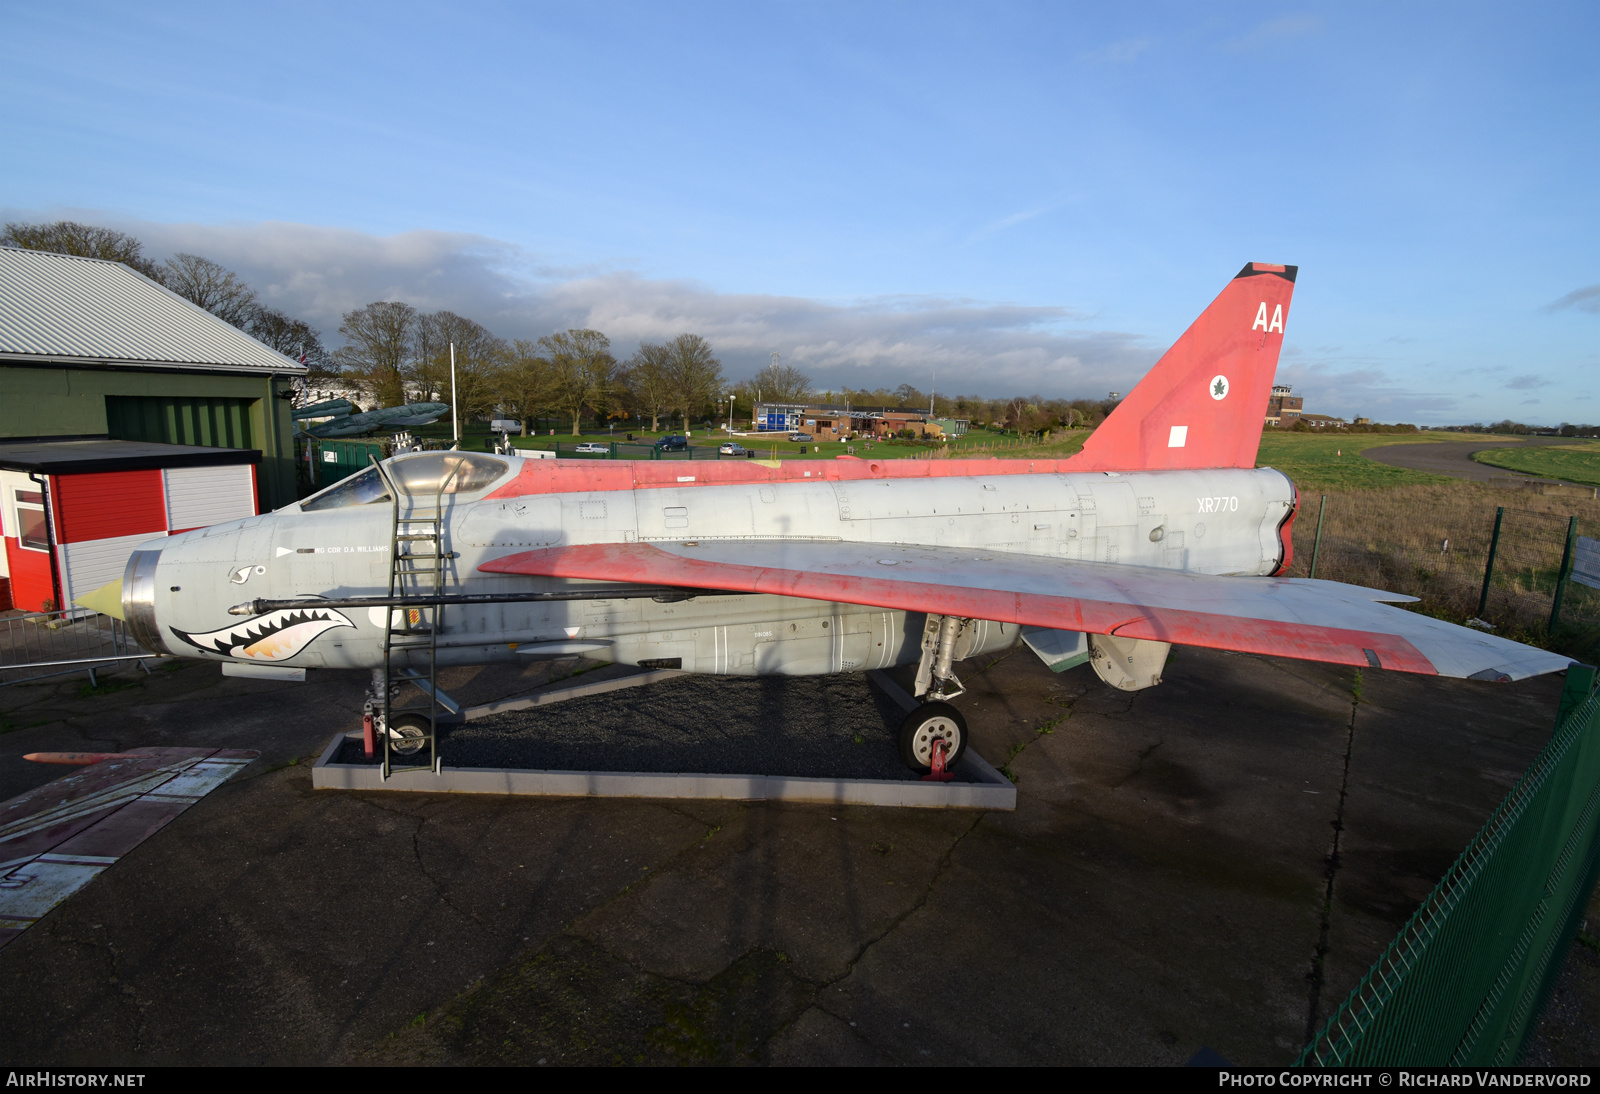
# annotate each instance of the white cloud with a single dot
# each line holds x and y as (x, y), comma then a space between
(1584, 299)
(1118, 53)
(1274, 32)
(318, 273)
(1345, 392)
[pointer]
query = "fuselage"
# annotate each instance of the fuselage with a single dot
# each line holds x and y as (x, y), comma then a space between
(178, 591)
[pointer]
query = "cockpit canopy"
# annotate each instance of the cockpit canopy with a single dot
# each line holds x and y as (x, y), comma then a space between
(421, 475)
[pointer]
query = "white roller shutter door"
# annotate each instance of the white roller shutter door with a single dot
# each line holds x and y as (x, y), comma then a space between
(201, 496)
(88, 565)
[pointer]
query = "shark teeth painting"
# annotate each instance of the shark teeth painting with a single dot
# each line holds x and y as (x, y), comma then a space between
(276, 636)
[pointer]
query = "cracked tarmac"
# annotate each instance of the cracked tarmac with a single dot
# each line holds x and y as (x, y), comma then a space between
(1211, 863)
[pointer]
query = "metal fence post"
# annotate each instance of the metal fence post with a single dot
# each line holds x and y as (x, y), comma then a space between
(1488, 569)
(1561, 574)
(1316, 545)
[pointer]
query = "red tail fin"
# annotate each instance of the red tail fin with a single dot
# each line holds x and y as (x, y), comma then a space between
(1204, 403)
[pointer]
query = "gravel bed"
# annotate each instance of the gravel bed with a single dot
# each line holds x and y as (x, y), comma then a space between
(803, 726)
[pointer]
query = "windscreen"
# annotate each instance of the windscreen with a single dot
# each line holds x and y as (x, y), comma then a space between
(362, 489)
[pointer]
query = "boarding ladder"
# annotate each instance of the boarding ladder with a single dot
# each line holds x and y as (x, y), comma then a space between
(417, 568)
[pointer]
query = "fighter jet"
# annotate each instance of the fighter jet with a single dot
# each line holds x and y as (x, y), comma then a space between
(394, 417)
(1161, 531)
(330, 408)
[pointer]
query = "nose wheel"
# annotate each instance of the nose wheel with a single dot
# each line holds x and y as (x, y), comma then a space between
(407, 734)
(929, 723)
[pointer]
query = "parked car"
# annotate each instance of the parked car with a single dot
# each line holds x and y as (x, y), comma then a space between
(731, 448)
(798, 436)
(594, 448)
(673, 444)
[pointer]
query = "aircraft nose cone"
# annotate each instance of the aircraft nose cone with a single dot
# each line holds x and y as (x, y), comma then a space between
(139, 599)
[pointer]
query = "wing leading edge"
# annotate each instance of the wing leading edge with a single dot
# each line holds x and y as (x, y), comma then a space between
(1281, 617)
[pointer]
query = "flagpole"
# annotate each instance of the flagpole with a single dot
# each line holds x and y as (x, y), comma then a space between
(455, 418)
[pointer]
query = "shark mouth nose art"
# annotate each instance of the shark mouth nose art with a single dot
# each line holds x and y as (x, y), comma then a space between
(276, 636)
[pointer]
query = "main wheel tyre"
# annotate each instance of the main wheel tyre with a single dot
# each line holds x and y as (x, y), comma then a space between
(407, 734)
(930, 722)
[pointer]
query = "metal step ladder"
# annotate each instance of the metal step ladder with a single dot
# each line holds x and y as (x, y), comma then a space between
(417, 568)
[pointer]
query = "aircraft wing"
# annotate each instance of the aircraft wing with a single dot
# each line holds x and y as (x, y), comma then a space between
(1281, 617)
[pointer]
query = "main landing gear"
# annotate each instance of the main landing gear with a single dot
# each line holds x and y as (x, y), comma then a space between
(933, 738)
(933, 726)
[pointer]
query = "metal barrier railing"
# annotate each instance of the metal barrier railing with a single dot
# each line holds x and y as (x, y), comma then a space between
(1465, 980)
(36, 645)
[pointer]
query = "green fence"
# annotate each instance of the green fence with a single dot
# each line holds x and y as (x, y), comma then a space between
(1465, 980)
(321, 463)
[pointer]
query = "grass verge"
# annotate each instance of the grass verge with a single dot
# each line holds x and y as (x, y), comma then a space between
(1575, 462)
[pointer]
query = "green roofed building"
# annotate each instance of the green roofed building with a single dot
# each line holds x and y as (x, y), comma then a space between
(92, 349)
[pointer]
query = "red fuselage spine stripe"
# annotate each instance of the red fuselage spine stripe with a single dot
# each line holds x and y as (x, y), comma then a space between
(585, 476)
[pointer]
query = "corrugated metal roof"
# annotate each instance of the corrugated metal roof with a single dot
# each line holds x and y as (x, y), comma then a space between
(64, 307)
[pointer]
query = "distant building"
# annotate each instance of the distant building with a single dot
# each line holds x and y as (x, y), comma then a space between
(838, 421)
(1322, 421)
(779, 417)
(1284, 408)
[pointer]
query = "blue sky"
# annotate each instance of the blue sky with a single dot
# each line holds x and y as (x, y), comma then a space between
(1024, 197)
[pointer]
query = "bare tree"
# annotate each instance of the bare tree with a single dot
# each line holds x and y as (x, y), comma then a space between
(696, 374)
(782, 384)
(296, 339)
(649, 380)
(378, 342)
(908, 396)
(213, 287)
(524, 383)
(582, 370)
(68, 237)
(479, 357)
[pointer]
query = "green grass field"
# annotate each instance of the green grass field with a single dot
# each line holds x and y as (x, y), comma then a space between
(1321, 461)
(1575, 463)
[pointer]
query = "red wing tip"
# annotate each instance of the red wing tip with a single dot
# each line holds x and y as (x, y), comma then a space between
(1256, 269)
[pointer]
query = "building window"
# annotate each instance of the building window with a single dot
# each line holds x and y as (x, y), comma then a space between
(32, 532)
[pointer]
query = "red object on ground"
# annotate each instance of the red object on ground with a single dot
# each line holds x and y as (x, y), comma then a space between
(938, 774)
(368, 735)
(57, 837)
(81, 757)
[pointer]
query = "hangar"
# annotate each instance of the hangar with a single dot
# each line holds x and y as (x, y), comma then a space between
(126, 412)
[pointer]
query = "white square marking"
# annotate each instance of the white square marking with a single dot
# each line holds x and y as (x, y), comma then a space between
(1179, 434)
